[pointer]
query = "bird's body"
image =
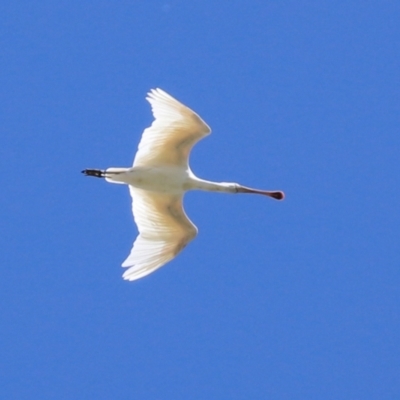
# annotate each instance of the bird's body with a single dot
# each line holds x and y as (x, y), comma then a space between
(158, 179)
(168, 179)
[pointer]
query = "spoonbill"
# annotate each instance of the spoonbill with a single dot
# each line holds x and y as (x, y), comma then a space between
(157, 181)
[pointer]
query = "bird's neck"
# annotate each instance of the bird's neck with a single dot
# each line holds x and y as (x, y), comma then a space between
(223, 187)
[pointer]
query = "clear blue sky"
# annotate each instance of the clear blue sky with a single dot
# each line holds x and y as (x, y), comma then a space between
(273, 300)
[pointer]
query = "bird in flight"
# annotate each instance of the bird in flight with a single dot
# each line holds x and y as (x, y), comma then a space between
(157, 181)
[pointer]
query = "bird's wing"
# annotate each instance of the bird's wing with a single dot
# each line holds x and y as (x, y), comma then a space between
(173, 133)
(164, 230)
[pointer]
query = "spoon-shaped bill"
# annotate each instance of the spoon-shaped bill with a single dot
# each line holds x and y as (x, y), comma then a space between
(276, 194)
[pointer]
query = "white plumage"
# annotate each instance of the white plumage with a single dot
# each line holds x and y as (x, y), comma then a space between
(157, 181)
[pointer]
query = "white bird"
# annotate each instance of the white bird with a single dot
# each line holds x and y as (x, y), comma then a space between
(157, 181)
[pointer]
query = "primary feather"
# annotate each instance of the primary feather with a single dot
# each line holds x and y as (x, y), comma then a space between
(164, 230)
(173, 133)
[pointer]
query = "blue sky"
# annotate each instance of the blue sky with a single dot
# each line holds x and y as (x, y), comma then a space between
(273, 300)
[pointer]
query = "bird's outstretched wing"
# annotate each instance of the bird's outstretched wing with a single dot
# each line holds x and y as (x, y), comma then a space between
(173, 133)
(164, 230)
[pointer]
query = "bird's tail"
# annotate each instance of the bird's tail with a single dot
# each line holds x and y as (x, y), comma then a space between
(115, 175)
